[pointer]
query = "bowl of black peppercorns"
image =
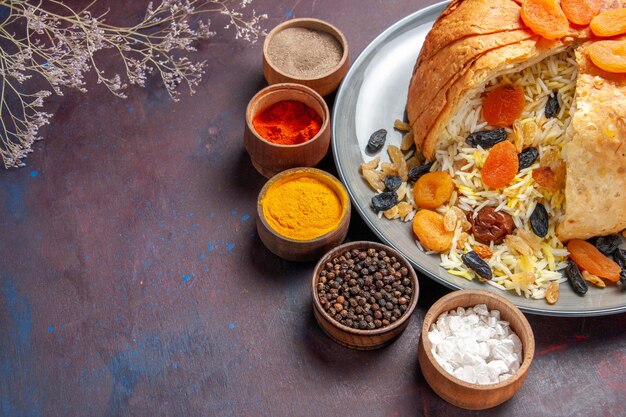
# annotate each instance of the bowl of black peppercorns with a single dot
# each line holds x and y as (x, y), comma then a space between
(363, 294)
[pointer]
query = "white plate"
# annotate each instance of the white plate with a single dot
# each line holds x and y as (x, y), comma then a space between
(372, 96)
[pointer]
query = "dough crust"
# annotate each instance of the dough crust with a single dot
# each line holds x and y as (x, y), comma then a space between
(474, 41)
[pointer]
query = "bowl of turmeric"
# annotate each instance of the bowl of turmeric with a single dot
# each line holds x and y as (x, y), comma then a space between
(302, 213)
(287, 126)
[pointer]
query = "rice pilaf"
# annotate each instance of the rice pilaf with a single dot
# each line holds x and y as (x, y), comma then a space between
(524, 262)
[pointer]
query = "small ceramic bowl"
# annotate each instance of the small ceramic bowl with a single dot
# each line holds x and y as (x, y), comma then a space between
(303, 250)
(324, 83)
(270, 158)
(460, 393)
(358, 338)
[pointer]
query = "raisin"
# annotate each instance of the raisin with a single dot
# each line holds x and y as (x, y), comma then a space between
(393, 182)
(552, 293)
(527, 157)
(619, 255)
(476, 264)
(416, 172)
(377, 140)
(552, 107)
(607, 244)
(490, 225)
(384, 201)
(539, 220)
(486, 138)
(575, 278)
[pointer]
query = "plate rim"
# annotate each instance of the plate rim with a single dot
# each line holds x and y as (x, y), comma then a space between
(341, 92)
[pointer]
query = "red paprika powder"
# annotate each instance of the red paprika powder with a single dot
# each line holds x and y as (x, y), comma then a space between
(287, 122)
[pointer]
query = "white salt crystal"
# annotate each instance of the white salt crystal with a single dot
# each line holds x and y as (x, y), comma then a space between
(483, 350)
(484, 333)
(456, 323)
(481, 310)
(466, 373)
(475, 346)
(517, 343)
(435, 337)
(483, 374)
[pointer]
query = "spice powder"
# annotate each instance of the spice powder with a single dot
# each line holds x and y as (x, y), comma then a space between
(302, 207)
(287, 122)
(304, 53)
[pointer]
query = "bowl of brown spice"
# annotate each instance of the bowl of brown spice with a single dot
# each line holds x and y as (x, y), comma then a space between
(363, 294)
(306, 51)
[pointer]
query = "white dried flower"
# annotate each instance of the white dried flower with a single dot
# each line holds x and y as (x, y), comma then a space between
(61, 49)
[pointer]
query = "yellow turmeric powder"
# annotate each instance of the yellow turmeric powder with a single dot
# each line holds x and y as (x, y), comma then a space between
(302, 206)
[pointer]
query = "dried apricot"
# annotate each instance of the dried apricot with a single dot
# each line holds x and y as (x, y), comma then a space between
(429, 228)
(587, 257)
(501, 165)
(551, 179)
(483, 251)
(545, 18)
(503, 105)
(609, 55)
(580, 12)
(609, 23)
(433, 190)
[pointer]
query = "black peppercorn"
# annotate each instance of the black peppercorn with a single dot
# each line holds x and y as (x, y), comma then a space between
(364, 289)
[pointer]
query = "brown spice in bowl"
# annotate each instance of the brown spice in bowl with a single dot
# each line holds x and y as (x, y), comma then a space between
(304, 53)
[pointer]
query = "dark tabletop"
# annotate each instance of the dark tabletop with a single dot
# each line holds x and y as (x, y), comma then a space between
(133, 283)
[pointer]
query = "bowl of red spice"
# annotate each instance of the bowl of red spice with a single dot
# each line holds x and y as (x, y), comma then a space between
(306, 51)
(287, 126)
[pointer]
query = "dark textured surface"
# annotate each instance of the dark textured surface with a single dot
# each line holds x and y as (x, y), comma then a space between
(132, 281)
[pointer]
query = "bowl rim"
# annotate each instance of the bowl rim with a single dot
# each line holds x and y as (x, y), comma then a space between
(527, 354)
(379, 246)
(345, 200)
(327, 27)
(288, 87)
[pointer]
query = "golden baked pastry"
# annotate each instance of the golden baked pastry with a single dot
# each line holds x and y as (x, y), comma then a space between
(595, 153)
(476, 41)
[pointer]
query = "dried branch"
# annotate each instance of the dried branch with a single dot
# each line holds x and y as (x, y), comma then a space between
(61, 49)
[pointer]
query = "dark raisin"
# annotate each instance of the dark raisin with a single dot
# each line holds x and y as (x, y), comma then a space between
(620, 258)
(384, 201)
(490, 225)
(539, 220)
(476, 264)
(527, 157)
(552, 107)
(575, 278)
(377, 140)
(486, 138)
(416, 172)
(607, 244)
(393, 182)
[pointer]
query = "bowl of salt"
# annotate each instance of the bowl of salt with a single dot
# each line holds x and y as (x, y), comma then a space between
(475, 349)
